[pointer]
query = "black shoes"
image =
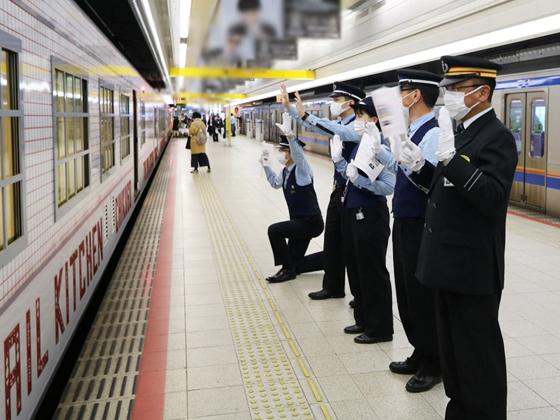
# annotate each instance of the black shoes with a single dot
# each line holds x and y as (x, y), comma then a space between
(364, 339)
(354, 329)
(282, 275)
(194, 171)
(422, 383)
(324, 294)
(404, 368)
(351, 303)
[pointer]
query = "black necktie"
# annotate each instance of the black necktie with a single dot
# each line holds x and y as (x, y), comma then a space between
(460, 128)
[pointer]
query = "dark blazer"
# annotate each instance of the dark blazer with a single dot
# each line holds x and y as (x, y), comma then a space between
(463, 242)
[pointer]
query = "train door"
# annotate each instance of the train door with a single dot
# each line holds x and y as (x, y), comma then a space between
(265, 122)
(135, 141)
(526, 118)
(273, 127)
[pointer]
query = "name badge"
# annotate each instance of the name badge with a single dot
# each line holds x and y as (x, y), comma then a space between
(447, 183)
(360, 216)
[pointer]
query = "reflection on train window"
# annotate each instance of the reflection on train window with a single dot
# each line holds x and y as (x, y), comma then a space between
(125, 126)
(107, 111)
(11, 177)
(538, 128)
(71, 135)
(516, 123)
(142, 123)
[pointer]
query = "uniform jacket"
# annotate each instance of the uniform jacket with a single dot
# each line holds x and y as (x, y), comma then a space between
(463, 242)
(193, 130)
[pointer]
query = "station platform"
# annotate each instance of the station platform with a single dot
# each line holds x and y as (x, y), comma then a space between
(191, 330)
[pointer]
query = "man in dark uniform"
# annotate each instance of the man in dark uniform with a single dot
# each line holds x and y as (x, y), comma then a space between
(344, 95)
(419, 91)
(306, 221)
(463, 243)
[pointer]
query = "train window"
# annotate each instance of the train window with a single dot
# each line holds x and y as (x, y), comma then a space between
(71, 134)
(107, 117)
(142, 123)
(125, 126)
(516, 123)
(538, 127)
(11, 174)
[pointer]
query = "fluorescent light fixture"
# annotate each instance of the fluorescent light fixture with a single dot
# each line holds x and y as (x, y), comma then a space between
(155, 36)
(185, 18)
(182, 55)
(505, 36)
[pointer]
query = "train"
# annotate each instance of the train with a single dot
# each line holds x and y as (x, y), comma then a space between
(525, 102)
(81, 135)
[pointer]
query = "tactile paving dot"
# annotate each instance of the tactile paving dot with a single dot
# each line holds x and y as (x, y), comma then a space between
(272, 388)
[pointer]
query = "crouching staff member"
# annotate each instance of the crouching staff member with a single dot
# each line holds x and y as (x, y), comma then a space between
(365, 232)
(343, 96)
(419, 91)
(306, 222)
(462, 250)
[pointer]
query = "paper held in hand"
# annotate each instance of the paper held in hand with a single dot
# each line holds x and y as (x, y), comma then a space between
(388, 104)
(267, 153)
(366, 162)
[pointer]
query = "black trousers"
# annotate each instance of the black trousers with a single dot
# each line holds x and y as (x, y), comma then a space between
(472, 356)
(365, 245)
(415, 301)
(299, 233)
(215, 135)
(333, 248)
(199, 159)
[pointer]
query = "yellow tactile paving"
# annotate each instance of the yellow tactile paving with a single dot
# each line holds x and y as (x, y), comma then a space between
(272, 387)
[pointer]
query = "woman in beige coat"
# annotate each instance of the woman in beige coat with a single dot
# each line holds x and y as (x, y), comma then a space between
(198, 151)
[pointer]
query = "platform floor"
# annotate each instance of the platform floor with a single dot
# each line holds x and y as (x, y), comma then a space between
(222, 344)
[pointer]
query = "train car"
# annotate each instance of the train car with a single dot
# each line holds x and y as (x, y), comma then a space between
(79, 142)
(526, 102)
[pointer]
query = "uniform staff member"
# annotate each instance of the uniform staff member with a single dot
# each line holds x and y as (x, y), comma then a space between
(365, 232)
(462, 251)
(344, 95)
(306, 222)
(419, 91)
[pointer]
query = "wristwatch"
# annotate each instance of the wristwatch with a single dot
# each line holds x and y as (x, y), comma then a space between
(305, 116)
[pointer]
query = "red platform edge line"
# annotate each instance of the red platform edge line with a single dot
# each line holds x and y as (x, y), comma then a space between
(544, 222)
(149, 400)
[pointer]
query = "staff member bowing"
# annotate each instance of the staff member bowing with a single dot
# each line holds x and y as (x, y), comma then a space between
(365, 232)
(344, 95)
(462, 251)
(419, 91)
(306, 222)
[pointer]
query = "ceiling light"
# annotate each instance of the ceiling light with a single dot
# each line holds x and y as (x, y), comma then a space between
(182, 55)
(185, 18)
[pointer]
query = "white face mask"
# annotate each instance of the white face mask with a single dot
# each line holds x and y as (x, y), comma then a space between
(336, 108)
(282, 158)
(360, 126)
(406, 109)
(455, 103)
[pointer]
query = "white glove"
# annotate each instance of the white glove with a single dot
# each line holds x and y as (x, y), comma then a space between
(396, 147)
(352, 172)
(446, 141)
(412, 156)
(373, 132)
(286, 125)
(336, 148)
(261, 159)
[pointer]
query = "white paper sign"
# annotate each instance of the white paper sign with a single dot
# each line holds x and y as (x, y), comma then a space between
(267, 153)
(388, 104)
(366, 162)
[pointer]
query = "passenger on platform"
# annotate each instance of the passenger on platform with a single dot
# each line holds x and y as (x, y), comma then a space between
(198, 151)
(216, 127)
(211, 127)
(365, 232)
(419, 91)
(232, 125)
(344, 95)
(463, 243)
(306, 221)
(175, 127)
